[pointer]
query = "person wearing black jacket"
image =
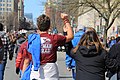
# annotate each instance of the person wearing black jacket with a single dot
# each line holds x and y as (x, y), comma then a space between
(114, 53)
(91, 58)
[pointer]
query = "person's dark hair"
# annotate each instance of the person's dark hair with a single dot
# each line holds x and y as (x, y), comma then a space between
(43, 22)
(1, 27)
(89, 38)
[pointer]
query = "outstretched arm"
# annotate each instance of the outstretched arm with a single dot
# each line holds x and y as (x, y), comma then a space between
(67, 27)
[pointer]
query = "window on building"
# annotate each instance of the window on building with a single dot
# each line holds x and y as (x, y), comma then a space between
(0, 17)
(0, 9)
(8, 0)
(8, 5)
(8, 9)
(3, 9)
(3, 5)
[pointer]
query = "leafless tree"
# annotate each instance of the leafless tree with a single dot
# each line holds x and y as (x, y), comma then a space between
(109, 10)
(9, 21)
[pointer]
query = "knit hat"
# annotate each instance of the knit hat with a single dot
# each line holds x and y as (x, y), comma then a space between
(80, 27)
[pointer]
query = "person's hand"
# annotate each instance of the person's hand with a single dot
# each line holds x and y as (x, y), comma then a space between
(17, 70)
(64, 16)
(69, 69)
(11, 56)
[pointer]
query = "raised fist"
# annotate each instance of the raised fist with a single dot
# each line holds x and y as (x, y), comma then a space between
(63, 15)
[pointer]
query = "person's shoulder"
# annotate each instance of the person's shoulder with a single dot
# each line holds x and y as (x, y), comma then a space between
(24, 44)
(56, 35)
(3, 33)
(103, 50)
(79, 33)
(116, 45)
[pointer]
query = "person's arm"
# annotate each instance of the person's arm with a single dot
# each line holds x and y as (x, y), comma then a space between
(2, 53)
(19, 60)
(111, 59)
(10, 49)
(8, 46)
(67, 27)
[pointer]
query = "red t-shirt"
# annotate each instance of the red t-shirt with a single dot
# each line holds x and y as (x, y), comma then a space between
(49, 44)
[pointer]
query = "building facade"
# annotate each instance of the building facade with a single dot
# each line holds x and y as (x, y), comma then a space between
(6, 7)
(9, 11)
(53, 11)
(29, 19)
(92, 19)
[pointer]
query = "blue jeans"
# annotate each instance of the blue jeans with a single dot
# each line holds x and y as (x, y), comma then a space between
(2, 69)
(73, 74)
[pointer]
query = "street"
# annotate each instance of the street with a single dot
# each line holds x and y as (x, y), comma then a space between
(63, 73)
(91, 26)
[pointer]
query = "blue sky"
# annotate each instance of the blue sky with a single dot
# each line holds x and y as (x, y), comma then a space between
(36, 7)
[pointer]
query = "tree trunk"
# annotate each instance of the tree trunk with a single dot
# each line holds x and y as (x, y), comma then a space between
(105, 37)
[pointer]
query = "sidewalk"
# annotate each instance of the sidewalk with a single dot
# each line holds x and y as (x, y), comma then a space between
(64, 74)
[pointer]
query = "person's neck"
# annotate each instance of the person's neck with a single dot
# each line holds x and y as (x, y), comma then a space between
(43, 32)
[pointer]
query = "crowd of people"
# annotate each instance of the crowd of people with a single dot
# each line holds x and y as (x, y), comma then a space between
(36, 52)
(11, 42)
